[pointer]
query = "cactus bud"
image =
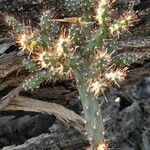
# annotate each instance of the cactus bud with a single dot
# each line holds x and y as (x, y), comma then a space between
(124, 22)
(116, 76)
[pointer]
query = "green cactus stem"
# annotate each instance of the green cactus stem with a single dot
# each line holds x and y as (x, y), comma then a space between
(78, 7)
(96, 42)
(126, 20)
(92, 113)
(34, 81)
(125, 59)
(30, 65)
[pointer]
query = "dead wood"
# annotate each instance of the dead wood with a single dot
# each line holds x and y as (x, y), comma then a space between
(5, 46)
(12, 81)
(9, 63)
(58, 138)
(67, 116)
(40, 142)
(9, 97)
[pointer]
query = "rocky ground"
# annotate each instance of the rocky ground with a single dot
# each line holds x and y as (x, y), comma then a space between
(127, 109)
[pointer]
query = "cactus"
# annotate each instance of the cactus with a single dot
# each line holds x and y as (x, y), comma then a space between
(78, 8)
(78, 51)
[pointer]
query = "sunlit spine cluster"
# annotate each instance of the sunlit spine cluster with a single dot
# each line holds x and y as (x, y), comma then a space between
(126, 20)
(103, 146)
(104, 72)
(77, 50)
(102, 11)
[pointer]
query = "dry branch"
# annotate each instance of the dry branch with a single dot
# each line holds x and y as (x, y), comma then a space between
(67, 116)
(9, 97)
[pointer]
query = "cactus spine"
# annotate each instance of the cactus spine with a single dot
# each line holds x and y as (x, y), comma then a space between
(78, 51)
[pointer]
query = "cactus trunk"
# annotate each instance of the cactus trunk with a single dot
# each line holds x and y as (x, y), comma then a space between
(92, 113)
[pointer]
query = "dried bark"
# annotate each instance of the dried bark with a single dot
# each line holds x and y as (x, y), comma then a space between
(58, 138)
(67, 116)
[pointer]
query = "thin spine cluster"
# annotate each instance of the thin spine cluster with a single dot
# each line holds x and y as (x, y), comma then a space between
(78, 51)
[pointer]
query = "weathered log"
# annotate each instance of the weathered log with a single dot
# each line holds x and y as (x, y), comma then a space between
(58, 138)
(67, 116)
(9, 63)
(40, 142)
(9, 97)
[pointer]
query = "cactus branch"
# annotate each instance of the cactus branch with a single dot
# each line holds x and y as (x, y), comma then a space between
(96, 42)
(92, 112)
